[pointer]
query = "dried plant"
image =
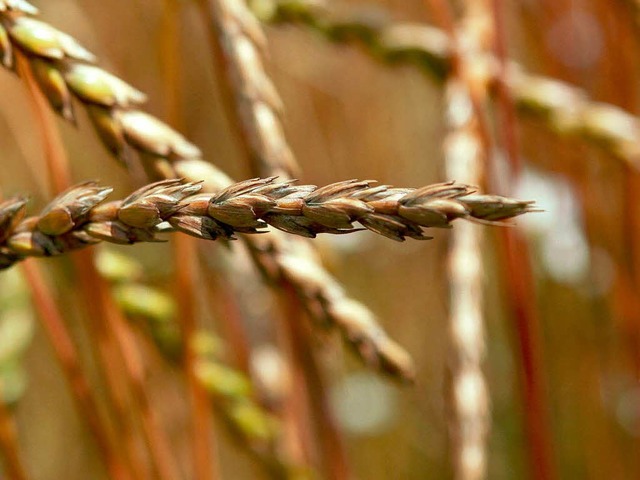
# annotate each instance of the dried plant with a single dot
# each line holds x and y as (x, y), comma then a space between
(287, 418)
(77, 218)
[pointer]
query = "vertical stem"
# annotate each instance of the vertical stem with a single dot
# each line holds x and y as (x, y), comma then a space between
(9, 444)
(521, 286)
(69, 360)
(330, 443)
(163, 460)
(221, 298)
(56, 161)
(203, 447)
(110, 363)
(298, 441)
(466, 151)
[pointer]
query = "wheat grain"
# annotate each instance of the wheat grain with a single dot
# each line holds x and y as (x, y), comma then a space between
(78, 217)
(561, 107)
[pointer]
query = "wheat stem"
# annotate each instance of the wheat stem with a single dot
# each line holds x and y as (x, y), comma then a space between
(201, 436)
(466, 151)
(9, 449)
(69, 360)
(332, 450)
(519, 277)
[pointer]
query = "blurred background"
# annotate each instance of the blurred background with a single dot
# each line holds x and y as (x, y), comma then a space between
(350, 115)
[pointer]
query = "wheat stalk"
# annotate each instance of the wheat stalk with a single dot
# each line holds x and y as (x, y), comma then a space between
(564, 109)
(466, 151)
(16, 331)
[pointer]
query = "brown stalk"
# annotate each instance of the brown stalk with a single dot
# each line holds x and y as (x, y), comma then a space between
(221, 299)
(9, 450)
(69, 360)
(163, 459)
(298, 440)
(466, 151)
(56, 162)
(519, 281)
(107, 358)
(203, 446)
(332, 448)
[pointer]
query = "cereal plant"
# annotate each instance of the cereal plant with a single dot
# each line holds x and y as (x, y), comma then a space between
(203, 203)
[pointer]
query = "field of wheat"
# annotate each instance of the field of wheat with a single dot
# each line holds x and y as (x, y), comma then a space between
(319, 239)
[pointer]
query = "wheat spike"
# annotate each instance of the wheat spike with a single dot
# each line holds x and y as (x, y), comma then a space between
(564, 109)
(241, 48)
(79, 217)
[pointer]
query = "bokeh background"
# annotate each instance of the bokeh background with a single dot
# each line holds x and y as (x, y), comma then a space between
(351, 116)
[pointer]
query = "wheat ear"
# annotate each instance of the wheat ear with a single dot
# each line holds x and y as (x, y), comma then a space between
(78, 217)
(240, 47)
(561, 107)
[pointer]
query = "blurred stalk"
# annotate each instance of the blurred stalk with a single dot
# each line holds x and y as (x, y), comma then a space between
(163, 459)
(519, 282)
(69, 360)
(203, 446)
(331, 444)
(209, 12)
(221, 298)
(9, 444)
(466, 150)
(297, 435)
